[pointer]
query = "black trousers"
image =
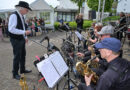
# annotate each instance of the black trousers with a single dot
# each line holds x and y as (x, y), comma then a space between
(119, 35)
(19, 55)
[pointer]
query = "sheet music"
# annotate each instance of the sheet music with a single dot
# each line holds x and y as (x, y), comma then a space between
(59, 63)
(79, 35)
(49, 72)
(53, 68)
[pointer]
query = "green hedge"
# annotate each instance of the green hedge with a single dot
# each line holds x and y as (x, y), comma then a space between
(56, 24)
(73, 24)
(87, 24)
(112, 18)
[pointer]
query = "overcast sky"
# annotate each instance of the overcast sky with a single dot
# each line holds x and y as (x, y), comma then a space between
(9, 4)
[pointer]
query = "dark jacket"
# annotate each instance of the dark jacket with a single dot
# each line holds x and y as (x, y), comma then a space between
(122, 23)
(79, 23)
(116, 77)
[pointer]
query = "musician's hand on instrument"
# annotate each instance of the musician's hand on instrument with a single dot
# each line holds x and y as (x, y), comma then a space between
(80, 54)
(88, 79)
(90, 39)
(71, 54)
(97, 59)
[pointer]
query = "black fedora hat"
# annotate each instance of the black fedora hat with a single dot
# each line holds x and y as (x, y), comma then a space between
(23, 4)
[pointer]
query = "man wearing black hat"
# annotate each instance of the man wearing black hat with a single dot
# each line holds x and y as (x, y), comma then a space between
(117, 75)
(18, 37)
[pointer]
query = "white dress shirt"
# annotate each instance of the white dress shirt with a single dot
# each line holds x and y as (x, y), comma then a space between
(12, 25)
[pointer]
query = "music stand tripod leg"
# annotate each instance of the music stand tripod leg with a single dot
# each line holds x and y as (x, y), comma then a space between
(123, 40)
(68, 79)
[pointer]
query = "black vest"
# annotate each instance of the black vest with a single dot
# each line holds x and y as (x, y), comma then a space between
(18, 26)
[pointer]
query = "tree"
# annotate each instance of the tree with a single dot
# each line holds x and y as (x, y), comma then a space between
(114, 6)
(93, 4)
(79, 3)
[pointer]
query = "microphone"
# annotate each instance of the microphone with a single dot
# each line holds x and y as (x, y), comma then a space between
(45, 38)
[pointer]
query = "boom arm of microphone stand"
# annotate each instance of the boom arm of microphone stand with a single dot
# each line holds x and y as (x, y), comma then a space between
(70, 42)
(38, 43)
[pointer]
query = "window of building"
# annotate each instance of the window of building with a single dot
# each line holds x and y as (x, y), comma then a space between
(59, 16)
(68, 17)
(73, 16)
(2, 15)
(45, 16)
(64, 16)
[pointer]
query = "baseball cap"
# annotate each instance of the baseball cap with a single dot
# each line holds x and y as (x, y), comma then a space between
(106, 30)
(109, 43)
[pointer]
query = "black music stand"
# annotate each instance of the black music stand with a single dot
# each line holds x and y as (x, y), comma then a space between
(53, 69)
(68, 78)
(50, 48)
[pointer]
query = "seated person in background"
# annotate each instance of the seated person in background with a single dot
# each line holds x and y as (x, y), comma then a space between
(97, 28)
(106, 32)
(117, 75)
(64, 26)
(92, 29)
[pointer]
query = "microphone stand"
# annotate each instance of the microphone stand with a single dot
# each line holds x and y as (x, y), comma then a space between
(70, 62)
(38, 43)
(119, 29)
(69, 79)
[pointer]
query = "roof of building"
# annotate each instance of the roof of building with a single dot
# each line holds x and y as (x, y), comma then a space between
(66, 5)
(6, 10)
(123, 6)
(40, 5)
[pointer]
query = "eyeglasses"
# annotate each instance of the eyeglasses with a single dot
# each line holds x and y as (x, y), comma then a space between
(103, 35)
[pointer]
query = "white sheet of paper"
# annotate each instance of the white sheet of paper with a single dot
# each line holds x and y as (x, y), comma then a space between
(53, 68)
(59, 63)
(79, 35)
(49, 72)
